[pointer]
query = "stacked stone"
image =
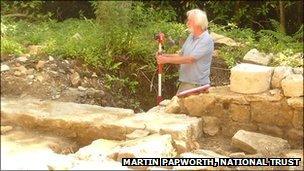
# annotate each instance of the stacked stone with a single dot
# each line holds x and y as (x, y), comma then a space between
(260, 98)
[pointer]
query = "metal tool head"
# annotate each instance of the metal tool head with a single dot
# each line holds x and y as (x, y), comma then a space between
(160, 37)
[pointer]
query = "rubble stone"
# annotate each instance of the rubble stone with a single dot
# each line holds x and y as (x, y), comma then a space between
(255, 57)
(210, 125)
(4, 67)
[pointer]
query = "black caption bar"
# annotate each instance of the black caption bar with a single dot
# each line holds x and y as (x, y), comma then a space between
(211, 162)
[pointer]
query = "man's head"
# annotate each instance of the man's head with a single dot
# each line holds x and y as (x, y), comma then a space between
(196, 20)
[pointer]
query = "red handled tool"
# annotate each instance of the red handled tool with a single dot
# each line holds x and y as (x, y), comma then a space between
(160, 37)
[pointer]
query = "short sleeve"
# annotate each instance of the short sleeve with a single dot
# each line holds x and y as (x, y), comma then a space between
(181, 52)
(203, 49)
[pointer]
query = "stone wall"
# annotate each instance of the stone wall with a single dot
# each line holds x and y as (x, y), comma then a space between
(274, 107)
(225, 112)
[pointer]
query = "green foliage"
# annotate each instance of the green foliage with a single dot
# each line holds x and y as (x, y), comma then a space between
(288, 58)
(267, 41)
(9, 46)
(29, 10)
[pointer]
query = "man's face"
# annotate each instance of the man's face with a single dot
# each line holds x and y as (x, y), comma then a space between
(190, 23)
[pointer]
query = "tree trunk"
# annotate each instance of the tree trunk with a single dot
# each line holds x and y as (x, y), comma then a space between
(300, 12)
(282, 17)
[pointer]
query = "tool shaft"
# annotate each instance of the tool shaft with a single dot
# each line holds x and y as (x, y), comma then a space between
(160, 68)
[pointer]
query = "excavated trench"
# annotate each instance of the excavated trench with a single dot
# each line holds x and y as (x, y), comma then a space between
(50, 128)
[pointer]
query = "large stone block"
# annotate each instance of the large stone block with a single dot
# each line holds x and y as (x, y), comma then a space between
(270, 96)
(295, 102)
(155, 145)
(86, 123)
(273, 113)
(253, 142)
(197, 105)
(240, 113)
(279, 73)
(173, 106)
(224, 95)
(295, 137)
(143, 147)
(250, 78)
(297, 120)
(271, 130)
(97, 150)
(230, 128)
(292, 85)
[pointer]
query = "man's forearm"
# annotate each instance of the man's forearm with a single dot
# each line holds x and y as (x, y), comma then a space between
(171, 55)
(176, 59)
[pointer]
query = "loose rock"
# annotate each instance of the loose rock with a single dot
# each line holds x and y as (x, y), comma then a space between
(4, 67)
(30, 71)
(51, 58)
(210, 125)
(75, 78)
(22, 69)
(22, 59)
(40, 65)
(253, 142)
(220, 39)
(81, 88)
(17, 73)
(255, 57)
(279, 74)
(293, 85)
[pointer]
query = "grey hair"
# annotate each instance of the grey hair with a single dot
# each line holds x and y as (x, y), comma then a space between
(200, 17)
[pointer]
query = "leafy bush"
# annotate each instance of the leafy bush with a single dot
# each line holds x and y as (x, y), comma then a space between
(267, 41)
(9, 46)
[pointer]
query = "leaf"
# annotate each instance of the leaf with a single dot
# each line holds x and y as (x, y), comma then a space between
(116, 65)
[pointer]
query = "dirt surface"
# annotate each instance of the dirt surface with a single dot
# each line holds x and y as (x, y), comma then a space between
(35, 139)
(57, 79)
(54, 81)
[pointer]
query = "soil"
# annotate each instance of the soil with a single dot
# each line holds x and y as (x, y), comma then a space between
(53, 81)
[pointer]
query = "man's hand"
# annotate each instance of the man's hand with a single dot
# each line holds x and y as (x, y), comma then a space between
(174, 59)
(161, 59)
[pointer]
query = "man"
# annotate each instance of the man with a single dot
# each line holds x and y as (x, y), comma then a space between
(196, 54)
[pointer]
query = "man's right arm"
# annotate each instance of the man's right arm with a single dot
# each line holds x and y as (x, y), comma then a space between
(171, 55)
